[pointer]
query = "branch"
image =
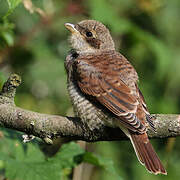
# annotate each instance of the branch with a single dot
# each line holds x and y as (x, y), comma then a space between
(48, 127)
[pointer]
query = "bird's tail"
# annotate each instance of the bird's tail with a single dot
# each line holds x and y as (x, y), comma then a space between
(146, 154)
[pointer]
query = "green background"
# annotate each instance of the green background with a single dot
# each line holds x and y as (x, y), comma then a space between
(33, 46)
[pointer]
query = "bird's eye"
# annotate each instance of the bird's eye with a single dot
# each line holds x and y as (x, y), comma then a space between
(89, 34)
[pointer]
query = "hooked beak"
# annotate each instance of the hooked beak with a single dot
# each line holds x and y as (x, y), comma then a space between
(71, 27)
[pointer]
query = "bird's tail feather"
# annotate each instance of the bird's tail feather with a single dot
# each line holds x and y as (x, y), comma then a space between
(146, 154)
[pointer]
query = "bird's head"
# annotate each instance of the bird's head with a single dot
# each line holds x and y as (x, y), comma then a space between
(90, 36)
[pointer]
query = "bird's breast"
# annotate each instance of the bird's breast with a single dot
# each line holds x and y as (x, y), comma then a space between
(90, 114)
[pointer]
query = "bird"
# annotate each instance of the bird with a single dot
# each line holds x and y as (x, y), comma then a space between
(103, 88)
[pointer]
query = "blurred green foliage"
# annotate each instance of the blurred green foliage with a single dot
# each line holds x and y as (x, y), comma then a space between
(27, 162)
(33, 43)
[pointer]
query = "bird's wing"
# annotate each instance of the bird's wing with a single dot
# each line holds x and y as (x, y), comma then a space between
(100, 77)
(145, 109)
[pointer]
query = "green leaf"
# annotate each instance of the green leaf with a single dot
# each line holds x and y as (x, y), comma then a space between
(33, 170)
(6, 33)
(105, 163)
(70, 155)
(12, 4)
(27, 162)
(16, 156)
(8, 37)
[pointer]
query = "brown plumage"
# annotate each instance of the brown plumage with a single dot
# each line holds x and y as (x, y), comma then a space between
(103, 88)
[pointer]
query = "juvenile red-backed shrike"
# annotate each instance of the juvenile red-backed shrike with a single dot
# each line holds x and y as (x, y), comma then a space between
(103, 88)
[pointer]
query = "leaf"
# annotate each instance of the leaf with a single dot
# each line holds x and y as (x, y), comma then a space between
(6, 32)
(105, 163)
(16, 156)
(70, 155)
(12, 4)
(8, 37)
(27, 162)
(33, 170)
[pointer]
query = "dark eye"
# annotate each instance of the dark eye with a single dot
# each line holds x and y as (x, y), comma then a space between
(89, 34)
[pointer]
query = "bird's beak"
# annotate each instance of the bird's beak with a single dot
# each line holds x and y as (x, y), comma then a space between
(71, 27)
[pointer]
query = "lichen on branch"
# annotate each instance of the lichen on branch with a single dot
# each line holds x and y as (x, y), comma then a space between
(8, 91)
